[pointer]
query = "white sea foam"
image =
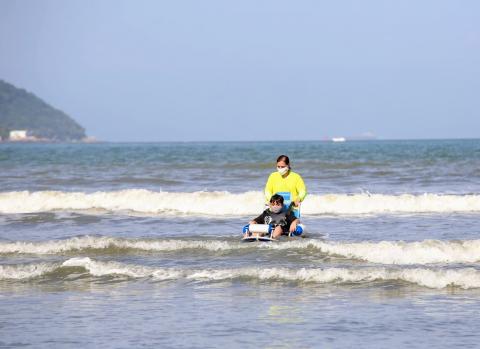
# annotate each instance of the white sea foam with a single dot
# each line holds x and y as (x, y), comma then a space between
(25, 271)
(384, 252)
(397, 252)
(225, 203)
(83, 243)
(96, 268)
(465, 278)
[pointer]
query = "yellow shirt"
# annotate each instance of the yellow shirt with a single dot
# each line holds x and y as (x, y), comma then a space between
(293, 183)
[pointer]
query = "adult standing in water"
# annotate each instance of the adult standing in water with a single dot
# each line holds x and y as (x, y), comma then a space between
(287, 183)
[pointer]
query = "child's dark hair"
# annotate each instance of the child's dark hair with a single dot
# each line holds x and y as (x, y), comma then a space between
(276, 199)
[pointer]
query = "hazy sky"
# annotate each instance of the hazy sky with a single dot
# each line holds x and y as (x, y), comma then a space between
(250, 70)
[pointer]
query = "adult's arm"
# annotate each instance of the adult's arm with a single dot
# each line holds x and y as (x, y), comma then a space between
(301, 188)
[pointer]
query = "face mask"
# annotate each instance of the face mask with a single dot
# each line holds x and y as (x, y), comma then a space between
(282, 170)
(276, 209)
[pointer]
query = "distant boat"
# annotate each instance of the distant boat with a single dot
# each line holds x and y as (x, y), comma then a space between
(338, 139)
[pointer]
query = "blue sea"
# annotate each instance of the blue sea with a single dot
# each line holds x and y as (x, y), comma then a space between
(121, 245)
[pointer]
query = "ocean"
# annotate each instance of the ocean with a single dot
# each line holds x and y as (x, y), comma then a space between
(121, 245)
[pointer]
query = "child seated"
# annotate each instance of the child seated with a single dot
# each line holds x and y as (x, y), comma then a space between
(281, 220)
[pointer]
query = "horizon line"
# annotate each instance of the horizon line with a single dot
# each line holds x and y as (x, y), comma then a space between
(354, 139)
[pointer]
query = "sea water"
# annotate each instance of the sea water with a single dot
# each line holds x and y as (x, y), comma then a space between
(138, 245)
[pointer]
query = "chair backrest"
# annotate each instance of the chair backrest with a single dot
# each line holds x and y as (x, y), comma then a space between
(287, 202)
(286, 197)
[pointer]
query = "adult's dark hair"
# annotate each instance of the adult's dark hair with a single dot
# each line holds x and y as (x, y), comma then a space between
(284, 158)
(276, 198)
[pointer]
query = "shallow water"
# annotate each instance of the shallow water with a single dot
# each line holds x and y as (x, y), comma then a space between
(121, 245)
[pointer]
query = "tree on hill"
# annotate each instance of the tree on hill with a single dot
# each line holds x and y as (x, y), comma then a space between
(21, 110)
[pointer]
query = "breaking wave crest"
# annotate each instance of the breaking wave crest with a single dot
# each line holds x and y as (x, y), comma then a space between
(465, 278)
(25, 271)
(404, 253)
(85, 243)
(384, 252)
(225, 203)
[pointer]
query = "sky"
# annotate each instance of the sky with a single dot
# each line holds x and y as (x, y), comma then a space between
(250, 70)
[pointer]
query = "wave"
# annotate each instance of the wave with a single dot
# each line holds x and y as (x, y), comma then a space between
(111, 244)
(225, 203)
(465, 278)
(25, 271)
(404, 253)
(383, 252)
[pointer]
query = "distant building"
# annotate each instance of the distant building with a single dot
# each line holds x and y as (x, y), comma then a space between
(89, 140)
(18, 135)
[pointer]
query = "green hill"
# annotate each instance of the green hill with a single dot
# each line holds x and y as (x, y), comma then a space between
(21, 110)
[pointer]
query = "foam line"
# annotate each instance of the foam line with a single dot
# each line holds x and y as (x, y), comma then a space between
(225, 203)
(398, 252)
(83, 243)
(383, 252)
(25, 271)
(438, 278)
